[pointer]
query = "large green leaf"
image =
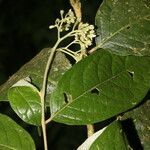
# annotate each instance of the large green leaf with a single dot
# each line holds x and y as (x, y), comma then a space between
(112, 138)
(99, 87)
(14, 137)
(25, 101)
(123, 26)
(35, 70)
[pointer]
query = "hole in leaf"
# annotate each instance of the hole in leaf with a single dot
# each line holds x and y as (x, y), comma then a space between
(66, 98)
(131, 73)
(95, 91)
(128, 27)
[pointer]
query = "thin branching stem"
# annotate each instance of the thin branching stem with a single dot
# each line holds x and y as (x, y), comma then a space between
(43, 93)
(73, 42)
(80, 39)
(44, 86)
(66, 52)
(76, 23)
(48, 120)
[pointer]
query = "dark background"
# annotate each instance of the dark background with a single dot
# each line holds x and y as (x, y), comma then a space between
(24, 29)
(23, 33)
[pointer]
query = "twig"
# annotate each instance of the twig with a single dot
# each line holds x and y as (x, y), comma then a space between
(43, 94)
(44, 86)
(90, 130)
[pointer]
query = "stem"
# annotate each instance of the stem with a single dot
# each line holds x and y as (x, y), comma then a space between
(43, 90)
(58, 34)
(48, 120)
(73, 42)
(76, 23)
(69, 34)
(44, 86)
(43, 93)
(67, 52)
(67, 49)
(90, 130)
(94, 49)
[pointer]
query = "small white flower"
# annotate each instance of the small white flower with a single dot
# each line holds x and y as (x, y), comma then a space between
(65, 22)
(52, 26)
(85, 35)
(61, 13)
(70, 17)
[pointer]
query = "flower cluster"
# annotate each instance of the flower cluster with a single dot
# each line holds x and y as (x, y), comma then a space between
(65, 22)
(85, 34)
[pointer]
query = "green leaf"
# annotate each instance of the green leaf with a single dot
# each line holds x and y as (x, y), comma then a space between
(13, 136)
(99, 87)
(141, 119)
(35, 70)
(123, 26)
(111, 138)
(25, 101)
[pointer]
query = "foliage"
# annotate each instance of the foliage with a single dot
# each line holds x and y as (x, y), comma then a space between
(12, 136)
(107, 81)
(103, 139)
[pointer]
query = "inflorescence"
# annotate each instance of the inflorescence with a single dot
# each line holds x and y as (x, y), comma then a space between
(83, 34)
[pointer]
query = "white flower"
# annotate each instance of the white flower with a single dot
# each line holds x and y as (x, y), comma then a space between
(70, 17)
(85, 34)
(64, 23)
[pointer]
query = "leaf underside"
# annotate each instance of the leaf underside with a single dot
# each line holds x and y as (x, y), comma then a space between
(99, 87)
(14, 137)
(35, 70)
(123, 26)
(89, 141)
(112, 138)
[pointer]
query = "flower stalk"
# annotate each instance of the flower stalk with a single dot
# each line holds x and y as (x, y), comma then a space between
(83, 34)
